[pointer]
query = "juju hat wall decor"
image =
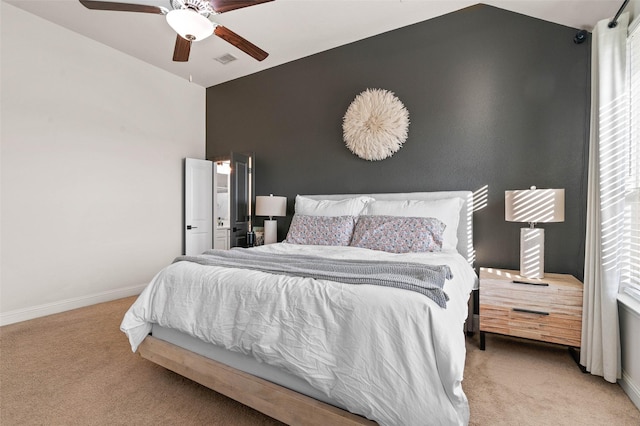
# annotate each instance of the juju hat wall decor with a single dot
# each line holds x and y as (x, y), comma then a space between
(375, 125)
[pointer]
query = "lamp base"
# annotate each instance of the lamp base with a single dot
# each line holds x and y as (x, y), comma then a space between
(532, 252)
(270, 231)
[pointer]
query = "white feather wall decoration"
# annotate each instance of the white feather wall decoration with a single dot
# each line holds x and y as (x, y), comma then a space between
(375, 125)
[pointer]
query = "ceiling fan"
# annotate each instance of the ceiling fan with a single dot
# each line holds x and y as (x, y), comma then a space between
(190, 19)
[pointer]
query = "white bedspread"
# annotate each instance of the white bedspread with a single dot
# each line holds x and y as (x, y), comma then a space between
(391, 355)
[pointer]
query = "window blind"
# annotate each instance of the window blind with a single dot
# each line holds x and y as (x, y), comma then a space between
(631, 271)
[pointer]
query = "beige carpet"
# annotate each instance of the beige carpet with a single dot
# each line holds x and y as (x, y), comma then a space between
(76, 368)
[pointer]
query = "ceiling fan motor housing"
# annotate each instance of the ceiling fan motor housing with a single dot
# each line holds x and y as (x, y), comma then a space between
(203, 7)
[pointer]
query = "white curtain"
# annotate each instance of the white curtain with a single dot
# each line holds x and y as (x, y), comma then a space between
(608, 163)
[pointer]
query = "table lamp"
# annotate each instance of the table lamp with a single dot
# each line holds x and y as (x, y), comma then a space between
(534, 206)
(271, 206)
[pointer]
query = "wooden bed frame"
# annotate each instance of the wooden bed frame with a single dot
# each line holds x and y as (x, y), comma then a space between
(273, 400)
(276, 401)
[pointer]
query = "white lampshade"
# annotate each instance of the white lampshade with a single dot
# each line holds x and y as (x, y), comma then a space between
(190, 24)
(534, 205)
(271, 206)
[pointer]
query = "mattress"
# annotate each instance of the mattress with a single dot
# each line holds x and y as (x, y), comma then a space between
(241, 362)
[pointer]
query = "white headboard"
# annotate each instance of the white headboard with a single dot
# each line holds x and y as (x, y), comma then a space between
(465, 227)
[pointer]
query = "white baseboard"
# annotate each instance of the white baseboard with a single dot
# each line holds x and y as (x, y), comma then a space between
(631, 389)
(32, 312)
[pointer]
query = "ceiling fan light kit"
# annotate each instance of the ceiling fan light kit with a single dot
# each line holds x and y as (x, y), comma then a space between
(190, 19)
(189, 24)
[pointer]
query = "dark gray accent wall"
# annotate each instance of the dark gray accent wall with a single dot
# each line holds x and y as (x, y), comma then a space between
(495, 98)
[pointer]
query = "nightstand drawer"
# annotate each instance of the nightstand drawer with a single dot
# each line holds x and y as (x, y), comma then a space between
(535, 324)
(552, 298)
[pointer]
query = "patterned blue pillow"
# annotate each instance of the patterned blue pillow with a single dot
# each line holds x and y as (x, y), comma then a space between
(321, 230)
(396, 234)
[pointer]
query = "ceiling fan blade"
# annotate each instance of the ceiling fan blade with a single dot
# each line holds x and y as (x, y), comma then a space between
(221, 6)
(120, 7)
(182, 49)
(241, 43)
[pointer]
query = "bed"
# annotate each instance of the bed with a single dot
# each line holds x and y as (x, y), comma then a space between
(307, 349)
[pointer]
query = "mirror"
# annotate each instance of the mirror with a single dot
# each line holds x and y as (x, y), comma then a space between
(233, 186)
(222, 172)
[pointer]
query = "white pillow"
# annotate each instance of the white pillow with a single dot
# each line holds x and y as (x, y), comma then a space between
(446, 209)
(348, 207)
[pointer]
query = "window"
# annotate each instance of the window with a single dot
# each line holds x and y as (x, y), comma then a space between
(630, 282)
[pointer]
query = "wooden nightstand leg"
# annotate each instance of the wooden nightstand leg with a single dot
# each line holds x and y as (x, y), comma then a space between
(575, 354)
(482, 340)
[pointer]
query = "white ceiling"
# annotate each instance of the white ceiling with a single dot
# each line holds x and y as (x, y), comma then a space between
(287, 29)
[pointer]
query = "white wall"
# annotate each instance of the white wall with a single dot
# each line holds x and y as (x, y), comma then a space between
(92, 148)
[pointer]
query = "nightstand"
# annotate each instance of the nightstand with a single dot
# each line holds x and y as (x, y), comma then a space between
(547, 309)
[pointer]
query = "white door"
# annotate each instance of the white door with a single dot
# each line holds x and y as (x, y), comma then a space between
(198, 206)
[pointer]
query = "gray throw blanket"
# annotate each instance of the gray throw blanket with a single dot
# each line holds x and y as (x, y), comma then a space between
(425, 279)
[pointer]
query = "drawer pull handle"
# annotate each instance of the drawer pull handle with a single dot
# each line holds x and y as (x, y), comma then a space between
(529, 311)
(529, 283)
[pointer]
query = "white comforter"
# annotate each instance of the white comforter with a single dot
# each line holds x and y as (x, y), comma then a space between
(388, 354)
